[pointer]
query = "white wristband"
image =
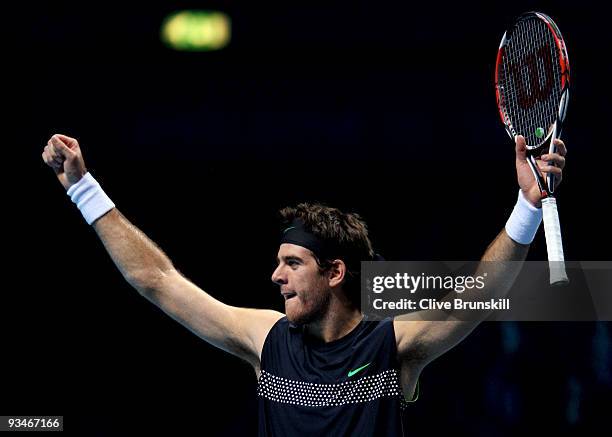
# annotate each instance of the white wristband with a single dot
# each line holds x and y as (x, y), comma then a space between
(89, 197)
(524, 221)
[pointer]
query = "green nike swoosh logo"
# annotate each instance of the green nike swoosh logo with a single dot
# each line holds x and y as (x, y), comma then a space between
(358, 369)
(291, 227)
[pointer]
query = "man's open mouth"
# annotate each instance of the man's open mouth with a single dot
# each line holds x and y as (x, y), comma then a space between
(288, 295)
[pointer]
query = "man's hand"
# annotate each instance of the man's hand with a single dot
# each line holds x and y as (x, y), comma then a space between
(63, 155)
(525, 177)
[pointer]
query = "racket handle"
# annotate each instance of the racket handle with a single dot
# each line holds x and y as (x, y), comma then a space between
(554, 244)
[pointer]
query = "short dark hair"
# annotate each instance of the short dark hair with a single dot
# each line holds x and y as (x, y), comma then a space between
(347, 233)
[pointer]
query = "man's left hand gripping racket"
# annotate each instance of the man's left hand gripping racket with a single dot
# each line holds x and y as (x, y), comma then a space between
(532, 87)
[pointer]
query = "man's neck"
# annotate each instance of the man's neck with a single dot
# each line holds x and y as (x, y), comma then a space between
(336, 323)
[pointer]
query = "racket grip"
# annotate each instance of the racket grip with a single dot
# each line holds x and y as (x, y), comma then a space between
(554, 244)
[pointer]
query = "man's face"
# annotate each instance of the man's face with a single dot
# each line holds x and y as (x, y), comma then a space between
(302, 285)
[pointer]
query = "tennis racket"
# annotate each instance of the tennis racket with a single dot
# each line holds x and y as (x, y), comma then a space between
(532, 87)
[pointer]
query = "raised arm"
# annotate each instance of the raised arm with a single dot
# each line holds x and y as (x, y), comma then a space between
(240, 331)
(420, 342)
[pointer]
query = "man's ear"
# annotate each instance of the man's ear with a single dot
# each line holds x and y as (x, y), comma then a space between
(336, 273)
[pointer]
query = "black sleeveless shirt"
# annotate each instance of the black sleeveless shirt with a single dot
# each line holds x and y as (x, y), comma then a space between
(348, 387)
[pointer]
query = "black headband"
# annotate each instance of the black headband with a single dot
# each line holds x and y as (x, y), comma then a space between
(296, 233)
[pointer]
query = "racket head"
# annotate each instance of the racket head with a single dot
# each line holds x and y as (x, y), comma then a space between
(532, 77)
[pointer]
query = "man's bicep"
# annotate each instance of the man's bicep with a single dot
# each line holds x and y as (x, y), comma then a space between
(239, 331)
(424, 341)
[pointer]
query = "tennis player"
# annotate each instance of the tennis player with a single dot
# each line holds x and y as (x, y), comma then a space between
(322, 368)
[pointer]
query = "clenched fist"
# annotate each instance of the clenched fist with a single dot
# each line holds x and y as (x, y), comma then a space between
(63, 155)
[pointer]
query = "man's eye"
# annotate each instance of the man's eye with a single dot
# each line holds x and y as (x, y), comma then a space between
(292, 263)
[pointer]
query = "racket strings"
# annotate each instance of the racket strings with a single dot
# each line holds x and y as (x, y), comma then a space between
(530, 80)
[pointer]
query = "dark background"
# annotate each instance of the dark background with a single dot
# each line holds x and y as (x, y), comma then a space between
(383, 108)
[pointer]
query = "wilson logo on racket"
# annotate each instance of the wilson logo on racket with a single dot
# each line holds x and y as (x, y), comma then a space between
(536, 83)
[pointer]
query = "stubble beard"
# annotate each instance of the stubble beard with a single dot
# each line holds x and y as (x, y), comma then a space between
(317, 309)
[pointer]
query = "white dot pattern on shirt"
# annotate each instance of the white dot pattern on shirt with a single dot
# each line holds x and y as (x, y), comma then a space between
(366, 389)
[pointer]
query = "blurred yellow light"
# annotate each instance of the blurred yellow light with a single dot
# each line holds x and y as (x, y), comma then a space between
(196, 30)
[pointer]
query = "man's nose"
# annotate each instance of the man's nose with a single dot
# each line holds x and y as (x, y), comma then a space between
(278, 277)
